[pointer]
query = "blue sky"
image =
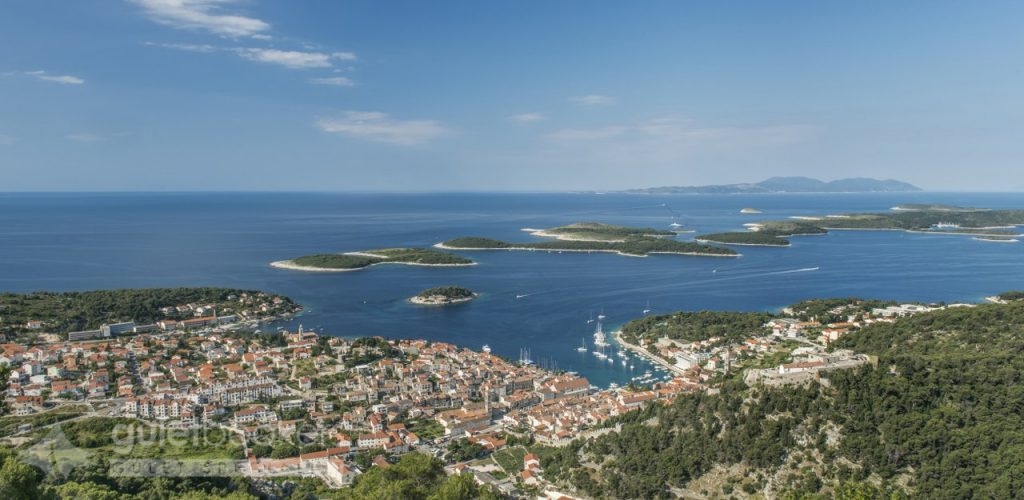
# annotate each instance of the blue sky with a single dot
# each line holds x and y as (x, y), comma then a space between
(568, 95)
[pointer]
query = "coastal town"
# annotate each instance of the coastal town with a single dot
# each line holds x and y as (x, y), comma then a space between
(309, 405)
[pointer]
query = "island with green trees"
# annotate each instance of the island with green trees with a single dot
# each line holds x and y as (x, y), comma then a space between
(596, 237)
(353, 261)
(925, 218)
(998, 226)
(597, 231)
(771, 234)
(443, 296)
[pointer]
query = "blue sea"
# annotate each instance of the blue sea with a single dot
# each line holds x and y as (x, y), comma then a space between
(92, 241)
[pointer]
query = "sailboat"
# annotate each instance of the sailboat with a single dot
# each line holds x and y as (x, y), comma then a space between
(599, 337)
(601, 316)
(591, 320)
(648, 308)
(583, 347)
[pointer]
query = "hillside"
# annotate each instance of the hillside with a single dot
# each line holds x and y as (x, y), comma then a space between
(940, 417)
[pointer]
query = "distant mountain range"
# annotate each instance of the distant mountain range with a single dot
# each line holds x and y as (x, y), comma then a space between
(789, 185)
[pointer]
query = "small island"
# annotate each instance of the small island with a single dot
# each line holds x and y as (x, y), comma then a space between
(443, 296)
(596, 237)
(353, 261)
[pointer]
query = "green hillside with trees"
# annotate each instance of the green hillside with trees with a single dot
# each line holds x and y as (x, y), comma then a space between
(942, 416)
(63, 312)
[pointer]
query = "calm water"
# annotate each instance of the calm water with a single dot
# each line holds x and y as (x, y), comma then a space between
(91, 241)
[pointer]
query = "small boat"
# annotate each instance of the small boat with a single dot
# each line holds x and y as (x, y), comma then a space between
(486, 348)
(591, 320)
(648, 308)
(519, 296)
(601, 316)
(623, 362)
(631, 367)
(582, 348)
(610, 360)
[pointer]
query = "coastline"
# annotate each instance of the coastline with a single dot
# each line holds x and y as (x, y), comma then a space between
(426, 301)
(442, 246)
(699, 240)
(292, 266)
(919, 231)
(644, 353)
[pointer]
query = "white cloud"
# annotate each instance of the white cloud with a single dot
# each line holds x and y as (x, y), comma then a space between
(592, 100)
(62, 79)
(6, 140)
(380, 127)
(288, 58)
(293, 59)
(84, 137)
(527, 117)
(336, 81)
(205, 15)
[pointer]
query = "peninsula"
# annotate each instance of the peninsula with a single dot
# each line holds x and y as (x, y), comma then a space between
(596, 237)
(443, 296)
(352, 261)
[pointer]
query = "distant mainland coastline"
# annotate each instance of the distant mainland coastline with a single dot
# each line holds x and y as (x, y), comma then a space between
(788, 185)
(354, 261)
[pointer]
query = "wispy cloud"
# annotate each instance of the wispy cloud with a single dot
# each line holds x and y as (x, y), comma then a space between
(187, 47)
(6, 140)
(527, 117)
(205, 15)
(592, 100)
(62, 79)
(336, 81)
(380, 127)
(586, 134)
(663, 145)
(344, 56)
(679, 133)
(84, 137)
